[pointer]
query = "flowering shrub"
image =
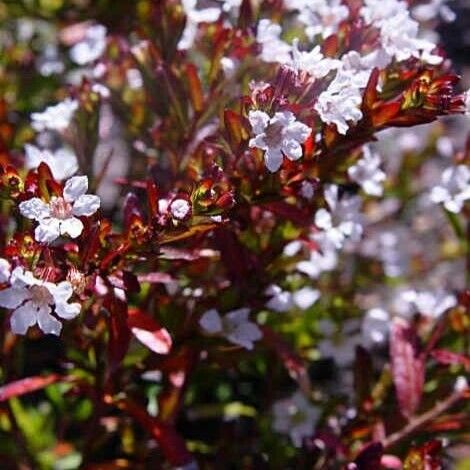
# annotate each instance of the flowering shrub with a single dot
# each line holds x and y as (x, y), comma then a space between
(218, 249)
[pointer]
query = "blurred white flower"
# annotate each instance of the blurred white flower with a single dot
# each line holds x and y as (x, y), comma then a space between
(283, 301)
(433, 10)
(193, 18)
(49, 63)
(295, 416)
(55, 118)
(273, 49)
(375, 327)
(33, 301)
(62, 163)
(279, 135)
(5, 270)
(322, 259)
(367, 173)
(235, 326)
(91, 46)
(60, 215)
(431, 304)
(454, 188)
(180, 208)
(343, 220)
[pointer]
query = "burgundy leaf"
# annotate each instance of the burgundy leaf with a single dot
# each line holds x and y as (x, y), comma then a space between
(149, 332)
(119, 333)
(28, 385)
(449, 358)
(407, 366)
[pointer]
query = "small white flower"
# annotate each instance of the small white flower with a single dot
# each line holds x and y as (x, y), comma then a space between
(367, 173)
(273, 48)
(91, 47)
(321, 260)
(431, 304)
(461, 384)
(279, 135)
(295, 416)
(375, 327)
(280, 301)
(339, 103)
(5, 270)
(60, 215)
(454, 188)
(343, 220)
(193, 18)
(62, 163)
(180, 208)
(312, 62)
(234, 326)
(305, 297)
(55, 118)
(33, 300)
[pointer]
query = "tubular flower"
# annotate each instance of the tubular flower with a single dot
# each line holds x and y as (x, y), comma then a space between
(60, 215)
(33, 300)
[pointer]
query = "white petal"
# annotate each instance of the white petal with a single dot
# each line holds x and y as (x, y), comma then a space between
(245, 335)
(211, 322)
(71, 226)
(61, 292)
(86, 205)
(273, 159)
(292, 149)
(237, 316)
(22, 318)
(258, 120)
(47, 322)
(67, 311)
(5, 270)
(75, 187)
(306, 297)
(323, 219)
(34, 208)
(12, 297)
(298, 131)
(47, 231)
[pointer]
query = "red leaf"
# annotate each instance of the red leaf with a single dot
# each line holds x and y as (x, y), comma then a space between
(171, 443)
(119, 333)
(28, 385)
(448, 358)
(195, 88)
(149, 332)
(407, 366)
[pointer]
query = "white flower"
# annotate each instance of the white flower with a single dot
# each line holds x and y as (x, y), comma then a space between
(273, 49)
(312, 62)
(367, 173)
(62, 163)
(322, 259)
(60, 215)
(432, 10)
(5, 270)
(320, 16)
(193, 18)
(305, 297)
(454, 188)
(91, 47)
(234, 326)
(33, 301)
(375, 327)
(431, 304)
(55, 118)
(343, 220)
(339, 103)
(180, 208)
(283, 301)
(295, 416)
(467, 102)
(278, 135)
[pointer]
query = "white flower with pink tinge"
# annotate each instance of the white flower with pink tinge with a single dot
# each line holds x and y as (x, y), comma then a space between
(60, 215)
(234, 326)
(279, 135)
(33, 300)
